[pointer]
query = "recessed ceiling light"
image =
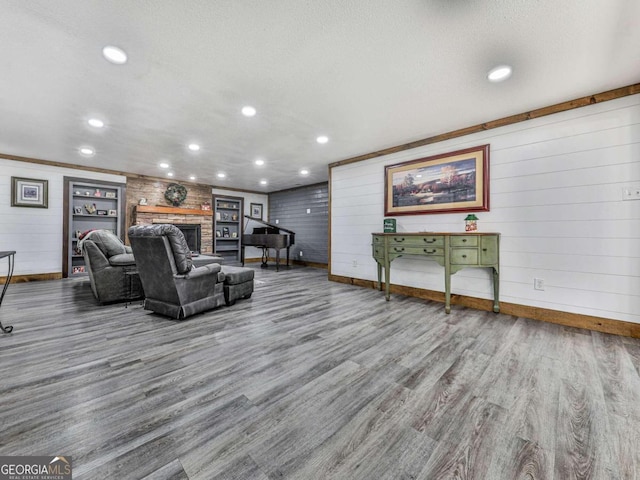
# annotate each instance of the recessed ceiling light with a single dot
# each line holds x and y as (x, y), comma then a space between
(322, 139)
(192, 177)
(194, 147)
(87, 152)
(164, 165)
(248, 111)
(169, 174)
(95, 122)
(221, 175)
(263, 182)
(499, 73)
(114, 54)
(259, 162)
(304, 172)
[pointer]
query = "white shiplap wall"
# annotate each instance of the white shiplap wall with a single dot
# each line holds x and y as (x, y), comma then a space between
(36, 233)
(556, 197)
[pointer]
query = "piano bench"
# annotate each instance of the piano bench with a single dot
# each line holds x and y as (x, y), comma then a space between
(238, 283)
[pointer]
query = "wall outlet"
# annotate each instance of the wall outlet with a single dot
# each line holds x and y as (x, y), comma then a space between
(308, 210)
(300, 252)
(277, 221)
(631, 192)
(354, 264)
(538, 283)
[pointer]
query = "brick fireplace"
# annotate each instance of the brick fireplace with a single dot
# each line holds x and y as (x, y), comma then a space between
(158, 210)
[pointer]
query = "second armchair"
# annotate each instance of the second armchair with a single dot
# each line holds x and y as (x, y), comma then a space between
(172, 286)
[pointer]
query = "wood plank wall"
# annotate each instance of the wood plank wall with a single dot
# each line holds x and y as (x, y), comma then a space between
(36, 234)
(556, 197)
(290, 208)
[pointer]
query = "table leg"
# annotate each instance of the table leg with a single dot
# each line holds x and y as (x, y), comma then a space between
(496, 290)
(379, 276)
(447, 289)
(8, 328)
(387, 281)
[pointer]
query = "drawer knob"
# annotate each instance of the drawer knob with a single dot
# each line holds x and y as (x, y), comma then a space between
(401, 249)
(464, 240)
(428, 251)
(429, 240)
(484, 249)
(464, 256)
(399, 239)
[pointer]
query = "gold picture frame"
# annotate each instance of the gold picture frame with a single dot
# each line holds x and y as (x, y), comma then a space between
(446, 183)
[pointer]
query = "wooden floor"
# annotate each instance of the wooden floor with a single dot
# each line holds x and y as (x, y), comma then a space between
(311, 379)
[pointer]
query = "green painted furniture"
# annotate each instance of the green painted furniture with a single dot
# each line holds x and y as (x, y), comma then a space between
(453, 251)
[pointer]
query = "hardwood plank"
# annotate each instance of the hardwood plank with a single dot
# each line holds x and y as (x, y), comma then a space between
(625, 438)
(312, 379)
(505, 378)
(524, 460)
(469, 452)
(621, 387)
(597, 324)
(438, 406)
(634, 354)
(172, 470)
(582, 448)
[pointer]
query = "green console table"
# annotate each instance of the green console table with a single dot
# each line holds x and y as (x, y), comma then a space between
(453, 251)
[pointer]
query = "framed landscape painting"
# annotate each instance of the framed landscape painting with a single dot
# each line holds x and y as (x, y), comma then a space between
(451, 182)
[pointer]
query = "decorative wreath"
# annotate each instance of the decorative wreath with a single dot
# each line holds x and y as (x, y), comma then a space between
(175, 194)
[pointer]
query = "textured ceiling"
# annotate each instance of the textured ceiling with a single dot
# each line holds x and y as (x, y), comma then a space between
(369, 74)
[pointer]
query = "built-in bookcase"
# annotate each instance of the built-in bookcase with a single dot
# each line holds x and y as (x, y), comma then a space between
(228, 215)
(89, 205)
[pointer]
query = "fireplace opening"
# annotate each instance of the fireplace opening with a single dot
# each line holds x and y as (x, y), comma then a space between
(192, 234)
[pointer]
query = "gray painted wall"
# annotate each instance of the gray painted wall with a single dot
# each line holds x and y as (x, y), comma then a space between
(289, 208)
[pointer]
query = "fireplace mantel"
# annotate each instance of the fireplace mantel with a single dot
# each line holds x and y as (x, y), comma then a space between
(172, 210)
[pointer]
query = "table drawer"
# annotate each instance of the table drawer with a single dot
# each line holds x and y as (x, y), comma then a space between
(464, 256)
(416, 241)
(426, 250)
(466, 241)
(489, 250)
(378, 240)
(378, 252)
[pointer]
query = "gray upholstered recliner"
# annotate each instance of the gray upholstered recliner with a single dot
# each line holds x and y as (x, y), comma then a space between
(172, 285)
(109, 263)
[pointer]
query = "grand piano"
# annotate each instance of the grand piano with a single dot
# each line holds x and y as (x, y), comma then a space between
(266, 238)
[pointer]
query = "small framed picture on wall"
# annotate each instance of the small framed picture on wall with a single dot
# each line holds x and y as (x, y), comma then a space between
(29, 192)
(256, 210)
